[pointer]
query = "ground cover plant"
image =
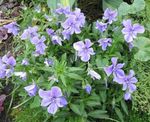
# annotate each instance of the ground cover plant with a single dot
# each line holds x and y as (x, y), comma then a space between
(65, 68)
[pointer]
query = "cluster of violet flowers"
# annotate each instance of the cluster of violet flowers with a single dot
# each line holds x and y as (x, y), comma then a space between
(32, 34)
(7, 64)
(73, 23)
(128, 81)
(53, 99)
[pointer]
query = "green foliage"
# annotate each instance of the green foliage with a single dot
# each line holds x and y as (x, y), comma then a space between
(111, 4)
(125, 9)
(141, 98)
(53, 4)
(143, 44)
(105, 103)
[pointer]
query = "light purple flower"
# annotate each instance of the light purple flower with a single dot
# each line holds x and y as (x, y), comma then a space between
(63, 10)
(12, 28)
(94, 75)
(48, 62)
(75, 20)
(30, 33)
(88, 88)
(115, 68)
(101, 26)
(39, 44)
(57, 40)
(127, 96)
(52, 99)
(31, 89)
(110, 15)
(9, 60)
(2, 70)
(104, 43)
(7, 64)
(71, 25)
(84, 50)
(25, 62)
(128, 82)
(66, 34)
(130, 31)
(80, 18)
(50, 32)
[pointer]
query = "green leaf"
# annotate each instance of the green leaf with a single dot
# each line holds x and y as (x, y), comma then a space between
(111, 3)
(74, 69)
(75, 109)
(103, 96)
(119, 114)
(93, 103)
(35, 103)
(63, 79)
(67, 2)
(74, 76)
(52, 4)
(47, 69)
(101, 62)
(143, 44)
(98, 114)
(125, 9)
(124, 107)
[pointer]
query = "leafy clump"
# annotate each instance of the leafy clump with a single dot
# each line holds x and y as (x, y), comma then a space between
(141, 98)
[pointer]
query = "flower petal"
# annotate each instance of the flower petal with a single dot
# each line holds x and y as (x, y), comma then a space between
(108, 70)
(56, 91)
(78, 45)
(127, 96)
(45, 102)
(44, 94)
(138, 28)
(61, 102)
(52, 108)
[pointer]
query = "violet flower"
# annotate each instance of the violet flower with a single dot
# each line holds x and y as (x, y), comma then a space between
(80, 18)
(12, 28)
(39, 44)
(7, 64)
(57, 40)
(104, 43)
(130, 31)
(30, 33)
(71, 25)
(52, 99)
(31, 89)
(3, 68)
(66, 34)
(63, 10)
(50, 32)
(110, 15)
(101, 26)
(48, 62)
(84, 50)
(25, 62)
(128, 82)
(94, 75)
(75, 20)
(115, 68)
(9, 60)
(88, 88)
